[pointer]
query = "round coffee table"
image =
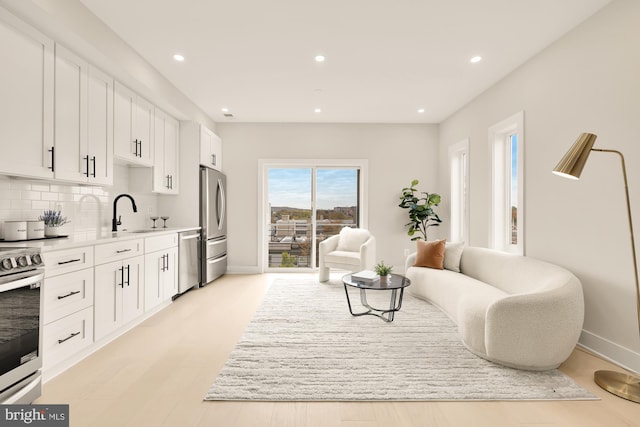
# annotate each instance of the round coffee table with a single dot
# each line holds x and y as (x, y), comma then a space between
(393, 283)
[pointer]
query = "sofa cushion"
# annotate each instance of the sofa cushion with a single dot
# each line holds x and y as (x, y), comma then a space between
(351, 239)
(430, 254)
(452, 255)
(343, 257)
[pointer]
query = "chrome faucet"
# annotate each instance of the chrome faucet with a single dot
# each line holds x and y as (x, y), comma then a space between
(116, 219)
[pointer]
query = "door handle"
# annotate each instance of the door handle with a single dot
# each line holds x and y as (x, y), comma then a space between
(69, 337)
(68, 295)
(87, 160)
(68, 262)
(53, 159)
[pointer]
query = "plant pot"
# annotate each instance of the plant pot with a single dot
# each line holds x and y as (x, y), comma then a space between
(53, 231)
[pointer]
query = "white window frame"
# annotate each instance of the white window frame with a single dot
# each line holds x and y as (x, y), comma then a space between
(264, 218)
(459, 183)
(500, 218)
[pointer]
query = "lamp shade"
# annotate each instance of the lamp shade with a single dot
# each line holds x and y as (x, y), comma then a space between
(571, 165)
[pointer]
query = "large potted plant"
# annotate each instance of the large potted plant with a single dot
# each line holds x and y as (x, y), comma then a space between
(421, 213)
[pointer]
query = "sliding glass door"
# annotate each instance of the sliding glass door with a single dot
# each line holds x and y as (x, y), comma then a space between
(305, 205)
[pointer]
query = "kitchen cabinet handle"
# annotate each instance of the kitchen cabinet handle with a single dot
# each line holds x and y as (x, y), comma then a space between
(69, 262)
(135, 153)
(213, 159)
(86, 158)
(121, 284)
(128, 278)
(68, 295)
(140, 148)
(69, 337)
(168, 181)
(53, 159)
(123, 250)
(93, 159)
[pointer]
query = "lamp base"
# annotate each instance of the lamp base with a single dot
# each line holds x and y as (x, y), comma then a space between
(622, 385)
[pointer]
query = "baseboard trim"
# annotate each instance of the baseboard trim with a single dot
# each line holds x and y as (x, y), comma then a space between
(235, 269)
(610, 351)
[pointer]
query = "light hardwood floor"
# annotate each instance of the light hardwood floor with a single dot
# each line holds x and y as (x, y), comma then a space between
(158, 373)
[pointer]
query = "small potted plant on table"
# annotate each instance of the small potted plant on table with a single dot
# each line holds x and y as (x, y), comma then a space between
(382, 270)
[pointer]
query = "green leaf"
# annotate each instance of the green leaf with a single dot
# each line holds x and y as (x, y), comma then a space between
(414, 183)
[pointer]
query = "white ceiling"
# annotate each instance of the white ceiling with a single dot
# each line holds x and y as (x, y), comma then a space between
(385, 59)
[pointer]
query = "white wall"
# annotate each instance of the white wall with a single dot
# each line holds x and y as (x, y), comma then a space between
(396, 154)
(588, 81)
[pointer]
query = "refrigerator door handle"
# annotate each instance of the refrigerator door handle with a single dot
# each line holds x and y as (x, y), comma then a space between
(222, 206)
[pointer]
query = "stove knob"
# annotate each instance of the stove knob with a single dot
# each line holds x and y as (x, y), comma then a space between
(22, 261)
(5, 264)
(36, 259)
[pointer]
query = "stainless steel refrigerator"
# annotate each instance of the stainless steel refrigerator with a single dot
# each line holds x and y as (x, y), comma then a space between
(213, 221)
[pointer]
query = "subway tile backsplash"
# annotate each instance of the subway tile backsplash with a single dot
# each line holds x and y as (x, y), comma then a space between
(88, 208)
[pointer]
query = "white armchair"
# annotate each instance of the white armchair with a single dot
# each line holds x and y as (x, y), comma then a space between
(354, 249)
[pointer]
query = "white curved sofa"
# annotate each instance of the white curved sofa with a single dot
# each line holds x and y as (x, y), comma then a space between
(513, 310)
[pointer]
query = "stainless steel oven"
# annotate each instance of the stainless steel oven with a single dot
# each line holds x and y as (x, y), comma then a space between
(21, 280)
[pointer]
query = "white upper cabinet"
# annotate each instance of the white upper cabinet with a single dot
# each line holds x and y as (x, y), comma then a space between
(133, 127)
(165, 168)
(100, 127)
(26, 103)
(83, 114)
(70, 116)
(210, 149)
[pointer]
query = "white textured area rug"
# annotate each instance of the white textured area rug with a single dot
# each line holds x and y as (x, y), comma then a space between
(304, 345)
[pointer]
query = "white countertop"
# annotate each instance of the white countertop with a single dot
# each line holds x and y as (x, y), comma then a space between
(93, 238)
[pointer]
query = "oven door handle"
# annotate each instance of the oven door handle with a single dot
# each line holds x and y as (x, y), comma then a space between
(25, 281)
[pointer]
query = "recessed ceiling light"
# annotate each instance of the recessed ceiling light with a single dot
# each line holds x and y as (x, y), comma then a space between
(320, 58)
(476, 59)
(420, 110)
(178, 57)
(225, 110)
(317, 110)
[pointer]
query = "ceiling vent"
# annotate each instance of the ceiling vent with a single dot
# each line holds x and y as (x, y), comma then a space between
(228, 115)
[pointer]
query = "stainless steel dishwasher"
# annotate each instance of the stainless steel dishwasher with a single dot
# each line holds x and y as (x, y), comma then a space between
(188, 266)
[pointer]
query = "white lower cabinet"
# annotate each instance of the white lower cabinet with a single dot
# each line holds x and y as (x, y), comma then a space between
(68, 304)
(161, 277)
(119, 294)
(67, 336)
(94, 293)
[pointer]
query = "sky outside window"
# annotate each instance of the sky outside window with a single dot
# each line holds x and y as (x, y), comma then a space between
(291, 187)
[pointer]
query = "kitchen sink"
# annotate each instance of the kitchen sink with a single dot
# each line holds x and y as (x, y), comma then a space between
(148, 230)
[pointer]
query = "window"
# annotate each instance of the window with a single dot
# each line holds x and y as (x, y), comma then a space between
(459, 169)
(305, 202)
(506, 141)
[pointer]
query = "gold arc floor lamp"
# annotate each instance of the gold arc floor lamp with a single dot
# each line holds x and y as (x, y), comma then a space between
(570, 166)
